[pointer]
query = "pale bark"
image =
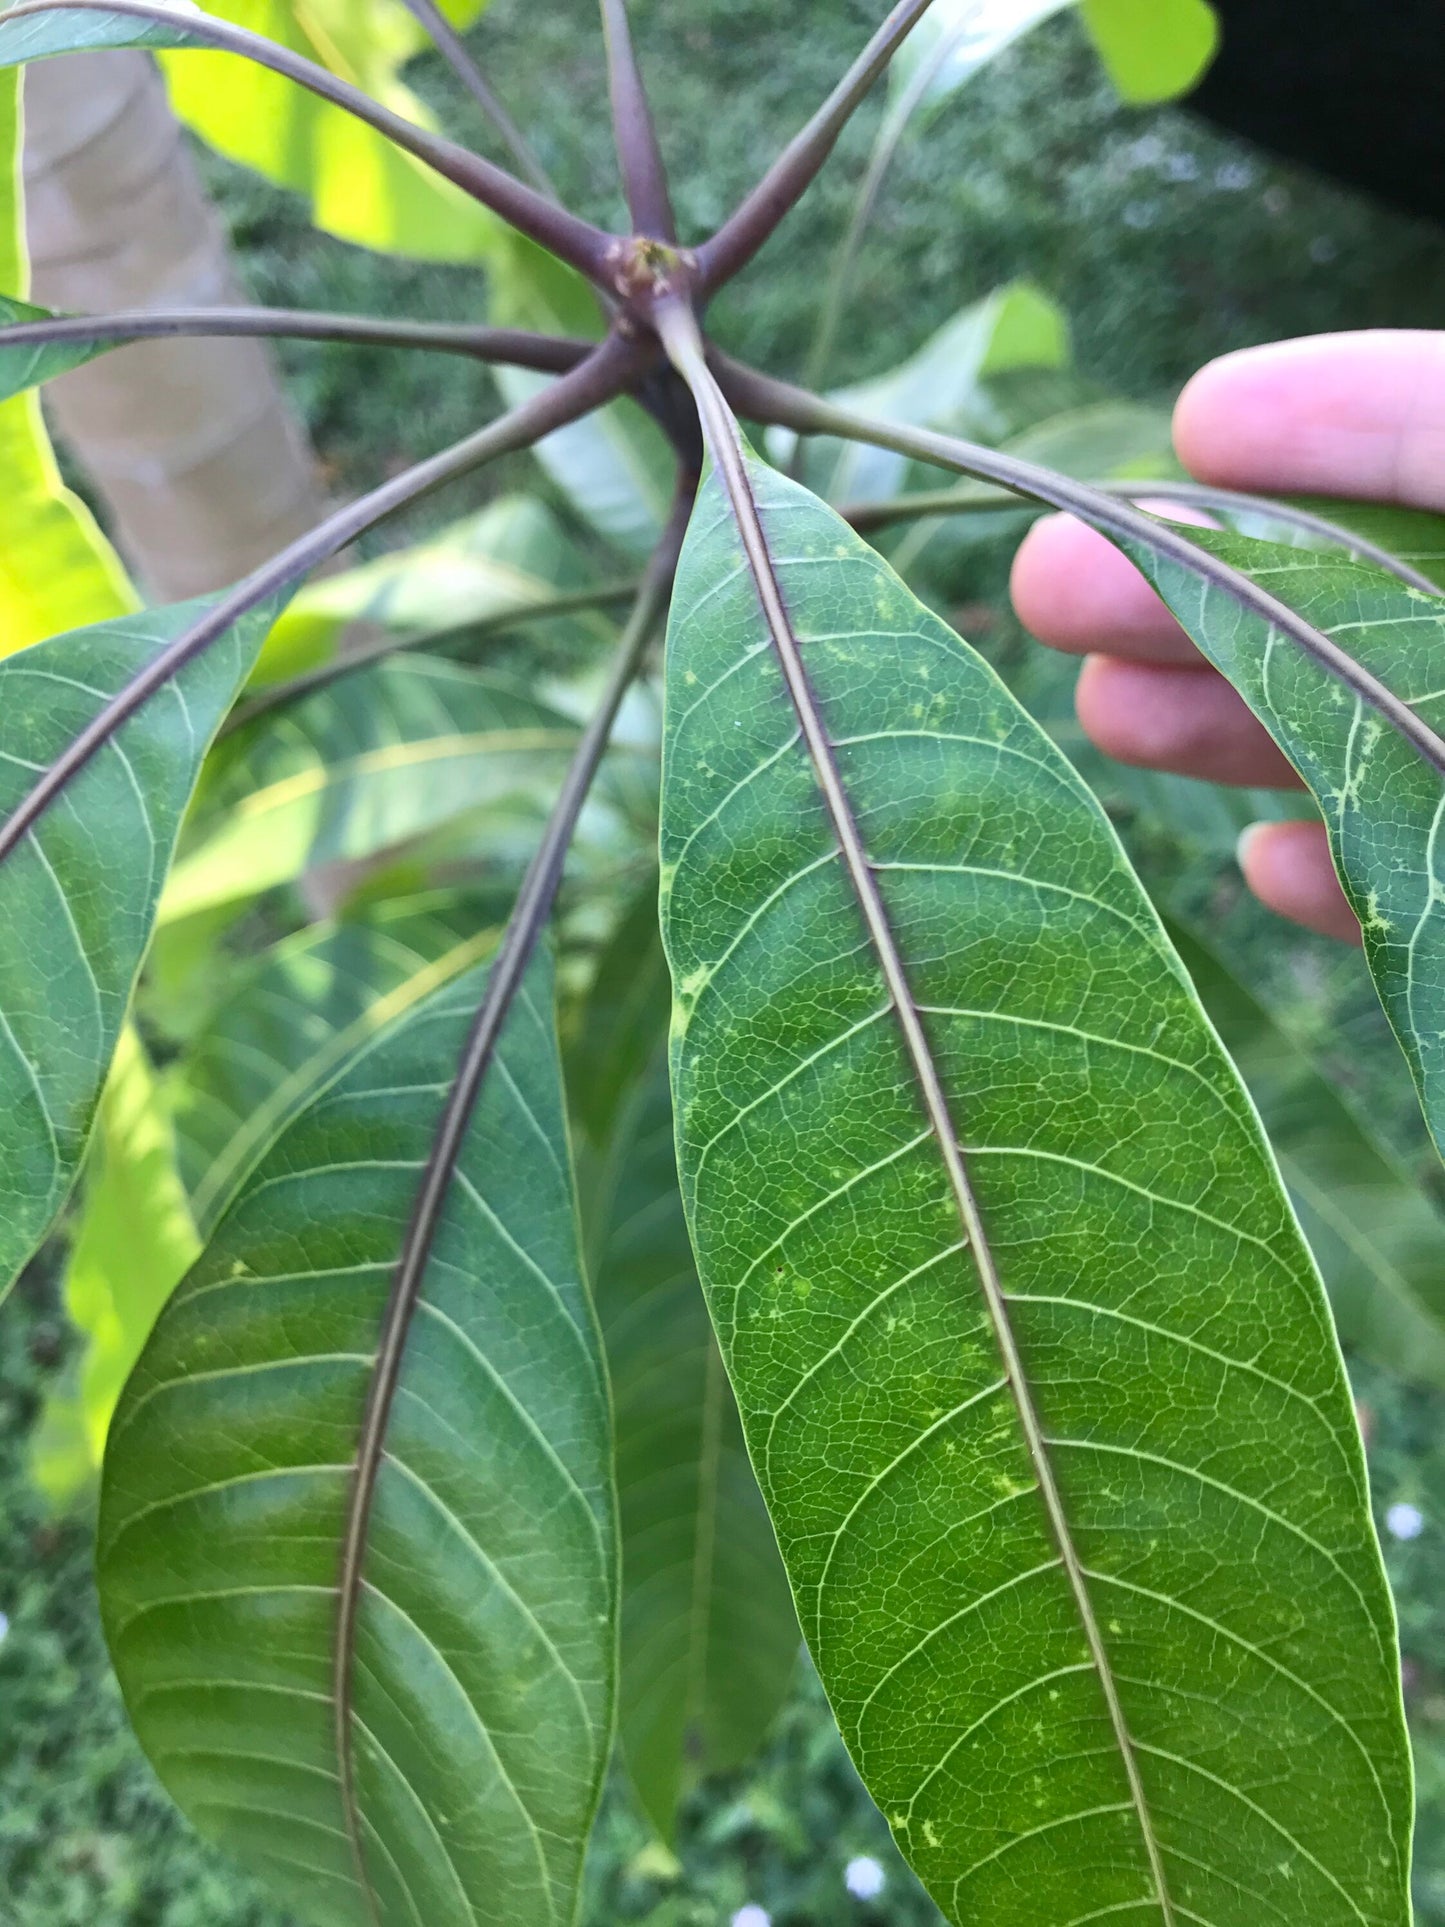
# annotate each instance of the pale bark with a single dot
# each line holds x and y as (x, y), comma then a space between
(199, 461)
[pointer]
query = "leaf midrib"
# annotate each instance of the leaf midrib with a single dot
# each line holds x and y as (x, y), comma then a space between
(726, 447)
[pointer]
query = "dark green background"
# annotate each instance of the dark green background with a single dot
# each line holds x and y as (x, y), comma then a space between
(1166, 243)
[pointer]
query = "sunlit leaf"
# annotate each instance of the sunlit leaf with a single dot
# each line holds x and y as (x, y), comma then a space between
(441, 1747)
(1153, 49)
(1035, 1369)
(134, 1242)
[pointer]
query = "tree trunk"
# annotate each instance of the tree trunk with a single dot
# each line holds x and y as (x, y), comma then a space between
(190, 443)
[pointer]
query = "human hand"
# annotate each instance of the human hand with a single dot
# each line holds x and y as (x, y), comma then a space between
(1352, 415)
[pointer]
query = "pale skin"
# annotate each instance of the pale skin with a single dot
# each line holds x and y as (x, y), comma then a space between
(1350, 415)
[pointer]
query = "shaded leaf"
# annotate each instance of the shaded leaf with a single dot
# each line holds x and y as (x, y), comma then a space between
(134, 1242)
(710, 1640)
(480, 1681)
(30, 367)
(939, 386)
(1036, 1372)
(1375, 1234)
(300, 1012)
(79, 892)
(1383, 804)
(384, 756)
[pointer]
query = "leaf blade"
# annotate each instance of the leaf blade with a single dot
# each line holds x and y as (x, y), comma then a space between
(482, 1676)
(813, 1239)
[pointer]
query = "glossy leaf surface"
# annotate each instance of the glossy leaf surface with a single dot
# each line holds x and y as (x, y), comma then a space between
(710, 1640)
(385, 755)
(80, 890)
(479, 1708)
(1383, 804)
(1066, 1478)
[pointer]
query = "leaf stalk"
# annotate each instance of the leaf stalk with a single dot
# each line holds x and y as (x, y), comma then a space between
(639, 158)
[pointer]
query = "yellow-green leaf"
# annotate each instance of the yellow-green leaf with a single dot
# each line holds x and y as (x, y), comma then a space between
(1153, 49)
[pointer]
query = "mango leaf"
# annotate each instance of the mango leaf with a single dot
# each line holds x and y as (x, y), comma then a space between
(509, 557)
(381, 757)
(710, 1640)
(1411, 535)
(81, 887)
(1153, 49)
(134, 1242)
(1034, 1367)
(30, 367)
(431, 1732)
(1375, 1234)
(1383, 803)
(56, 569)
(1017, 326)
(297, 1015)
(357, 184)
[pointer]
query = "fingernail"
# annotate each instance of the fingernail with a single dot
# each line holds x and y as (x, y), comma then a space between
(1246, 840)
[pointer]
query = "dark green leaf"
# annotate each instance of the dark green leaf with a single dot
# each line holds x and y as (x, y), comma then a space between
(28, 367)
(1382, 802)
(710, 1640)
(79, 892)
(1035, 1369)
(480, 1681)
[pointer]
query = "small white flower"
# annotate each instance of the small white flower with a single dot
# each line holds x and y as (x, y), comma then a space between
(1405, 1521)
(864, 1878)
(1234, 176)
(751, 1916)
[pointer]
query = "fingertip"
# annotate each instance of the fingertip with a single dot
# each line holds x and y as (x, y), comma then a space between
(1076, 592)
(1289, 868)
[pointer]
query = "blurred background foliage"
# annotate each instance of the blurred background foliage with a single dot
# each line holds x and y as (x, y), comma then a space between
(1159, 242)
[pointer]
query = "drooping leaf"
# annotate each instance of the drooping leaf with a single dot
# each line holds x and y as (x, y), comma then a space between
(1153, 49)
(134, 1242)
(29, 367)
(381, 757)
(1383, 803)
(56, 569)
(1035, 1369)
(1375, 1234)
(454, 1752)
(710, 1640)
(304, 1008)
(79, 891)
(1016, 326)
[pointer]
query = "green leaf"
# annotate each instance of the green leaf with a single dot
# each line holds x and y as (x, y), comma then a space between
(78, 893)
(1412, 535)
(377, 759)
(940, 386)
(1374, 1232)
(509, 557)
(56, 569)
(710, 1640)
(1382, 802)
(949, 45)
(302, 1010)
(476, 1693)
(1034, 1367)
(22, 368)
(1153, 49)
(134, 1243)
(358, 185)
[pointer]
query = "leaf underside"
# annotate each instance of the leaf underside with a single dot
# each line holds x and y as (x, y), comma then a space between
(1383, 805)
(78, 894)
(480, 1707)
(709, 1637)
(1175, 1344)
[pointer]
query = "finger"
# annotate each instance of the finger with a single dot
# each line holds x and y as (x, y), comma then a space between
(1360, 415)
(1288, 867)
(1076, 592)
(1186, 719)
